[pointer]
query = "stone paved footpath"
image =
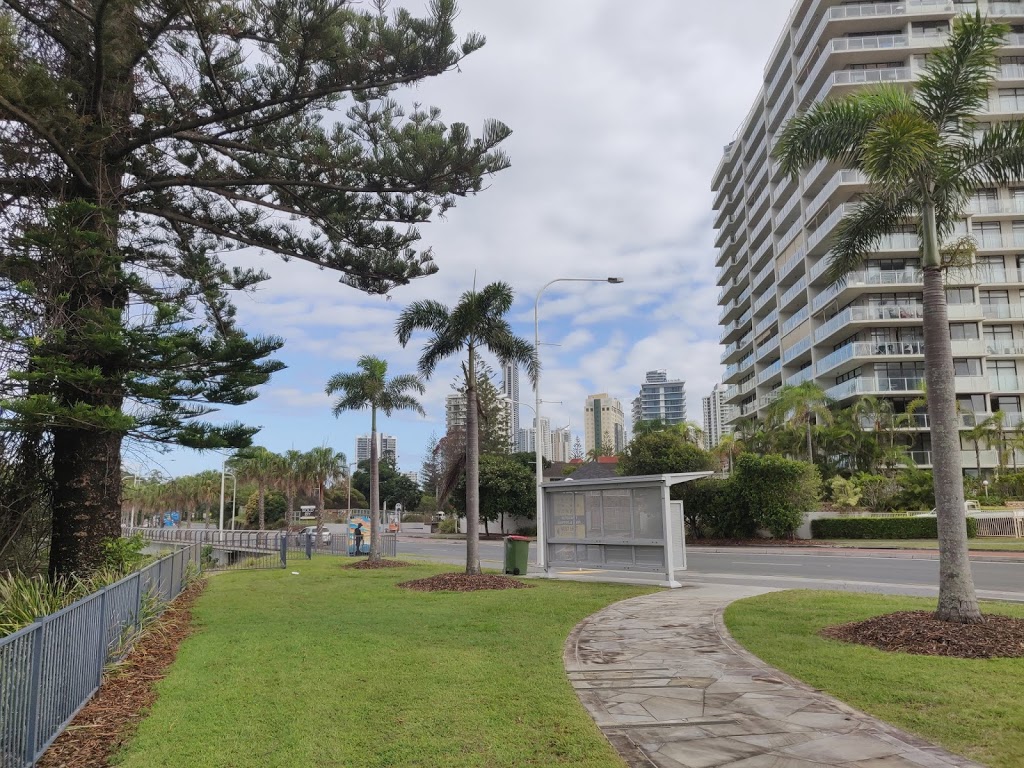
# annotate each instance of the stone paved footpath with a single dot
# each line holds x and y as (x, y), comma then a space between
(670, 688)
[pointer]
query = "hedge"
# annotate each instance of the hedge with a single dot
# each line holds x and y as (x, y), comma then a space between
(881, 528)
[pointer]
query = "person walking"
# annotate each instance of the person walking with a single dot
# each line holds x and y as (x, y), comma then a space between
(358, 536)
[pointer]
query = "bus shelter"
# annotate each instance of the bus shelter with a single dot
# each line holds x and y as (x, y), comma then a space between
(615, 524)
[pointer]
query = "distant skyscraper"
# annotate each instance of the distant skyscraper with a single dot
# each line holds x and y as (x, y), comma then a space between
(385, 444)
(604, 424)
(413, 475)
(455, 412)
(660, 399)
(714, 408)
(528, 439)
(510, 389)
(561, 444)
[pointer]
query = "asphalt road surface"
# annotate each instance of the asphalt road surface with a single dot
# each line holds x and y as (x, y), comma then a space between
(867, 572)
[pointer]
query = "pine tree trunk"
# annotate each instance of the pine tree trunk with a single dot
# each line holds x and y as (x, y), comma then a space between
(375, 554)
(957, 598)
(472, 470)
(86, 499)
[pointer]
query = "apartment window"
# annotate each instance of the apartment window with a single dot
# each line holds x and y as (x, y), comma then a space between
(903, 370)
(929, 28)
(890, 265)
(963, 331)
(960, 296)
(892, 335)
(997, 334)
(970, 403)
(994, 298)
(880, 65)
(966, 366)
(1007, 403)
(993, 268)
(897, 299)
(1011, 99)
(1003, 367)
(980, 129)
(988, 234)
(855, 373)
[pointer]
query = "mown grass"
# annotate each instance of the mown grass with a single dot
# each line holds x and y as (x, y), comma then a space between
(336, 667)
(972, 707)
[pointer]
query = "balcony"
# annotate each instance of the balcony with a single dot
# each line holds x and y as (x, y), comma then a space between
(765, 400)
(868, 349)
(795, 320)
(737, 370)
(1005, 349)
(800, 377)
(772, 370)
(790, 235)
(824, 229)
(764, 299)
(1010, 72)
(902, 313)
(769, 346)
(863, 77)
(873, 386)
(986, 207)
(851, 45)
(737, 346)
(964, 311)
(1006, 382)
(767, 272)
(796, 350)
(869, 281)
(798, 292)
(782, 218)
(759, 254)
(791, 263)
(841, 179)
(1002, 311)
(767, 322)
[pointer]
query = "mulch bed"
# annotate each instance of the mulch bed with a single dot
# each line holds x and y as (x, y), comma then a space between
(919, 632)
(110, 718)
(366, 565)
(461, 582)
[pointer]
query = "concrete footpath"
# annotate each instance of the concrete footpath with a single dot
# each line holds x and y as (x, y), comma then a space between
(979, 555)
(671, 689)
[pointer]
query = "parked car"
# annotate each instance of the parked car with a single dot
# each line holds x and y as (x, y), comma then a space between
(310, 530)
(970, 506)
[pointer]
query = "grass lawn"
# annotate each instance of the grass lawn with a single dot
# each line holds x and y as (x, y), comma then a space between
(340, 668)
(973, 707)
(990, 545)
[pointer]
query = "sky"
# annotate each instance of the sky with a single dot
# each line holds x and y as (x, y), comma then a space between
(619, 115)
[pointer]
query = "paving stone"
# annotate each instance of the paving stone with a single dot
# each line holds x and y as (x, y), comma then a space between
(661, 677)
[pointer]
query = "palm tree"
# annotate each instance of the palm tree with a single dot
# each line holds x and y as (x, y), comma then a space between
(801, 405)
(924, 159)
(476, 322)
(260, 466)
(370, 388)
(729, 447)
(981, 431)
(321, 466)
(293, 477)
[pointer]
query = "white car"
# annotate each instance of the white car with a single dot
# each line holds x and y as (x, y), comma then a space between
(970, 506)
(310, 530)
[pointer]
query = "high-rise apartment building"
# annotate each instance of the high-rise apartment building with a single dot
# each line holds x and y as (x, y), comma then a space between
(660, 399)
(510, 389)
(604, 424)
(782, 323)
(527, 440)
(714, 411)
(561, 444)
(455, 412)
(386, 444)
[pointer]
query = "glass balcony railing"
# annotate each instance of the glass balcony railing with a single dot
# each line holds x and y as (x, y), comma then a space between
(1002, 311)
(867, 386)
(767, 322)
(796, 319)
(769, 346)
(770, 371)
(796, 350)
(867, 314)
(868, 349)
(801, 376)
(797, 290)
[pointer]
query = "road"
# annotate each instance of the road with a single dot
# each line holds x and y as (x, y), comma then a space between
(868, 572)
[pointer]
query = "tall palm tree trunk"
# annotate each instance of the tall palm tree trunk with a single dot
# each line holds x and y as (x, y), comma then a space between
(374, 490)
(977, 457)
(263, 514)
(957, 600)
(810, 448)
(472, 471)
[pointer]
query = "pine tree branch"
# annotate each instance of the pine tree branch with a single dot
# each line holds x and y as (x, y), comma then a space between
(30, 122)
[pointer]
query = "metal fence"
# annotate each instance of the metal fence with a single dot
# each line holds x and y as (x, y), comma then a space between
(50, 669)
(230, 550)
(1010, 526)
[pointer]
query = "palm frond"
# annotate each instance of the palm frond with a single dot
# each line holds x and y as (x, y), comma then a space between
(440, 347)
(997, 158)
(509, 348)
(835, 129)
(427, 315)
(860, 231)
(895, 149)
(957, 77)
(452, 474)
(401, 402)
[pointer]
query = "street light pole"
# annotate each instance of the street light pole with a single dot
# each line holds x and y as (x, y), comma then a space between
(351, 464)
(223, 471)
(541, 538)
(234, 493)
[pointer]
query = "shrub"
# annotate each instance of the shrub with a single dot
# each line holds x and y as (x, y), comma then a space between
(124, 555)
(449, 525)
(916, 490)
(881, 528)
(656, 453)
(716, 509)
(527, 530)
(878, 492)
(777, 491)
(845, 493)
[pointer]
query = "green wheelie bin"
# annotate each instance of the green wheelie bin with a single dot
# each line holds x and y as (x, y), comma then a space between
(517, 554)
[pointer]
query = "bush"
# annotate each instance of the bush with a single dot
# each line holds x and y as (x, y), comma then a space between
(274, 504)
(716, 509)
(777, 491)
(527, 530)
(124, 555)
(882, 528)
(845, 493)
(449, 525)
(878, 492)
(916, 490)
